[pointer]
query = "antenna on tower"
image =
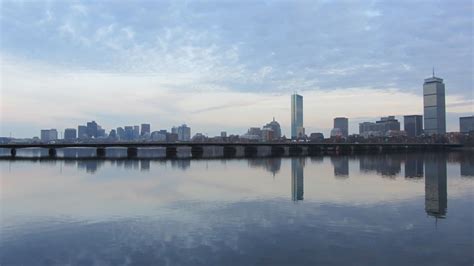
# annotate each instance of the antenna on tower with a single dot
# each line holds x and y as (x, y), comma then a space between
(433, 73)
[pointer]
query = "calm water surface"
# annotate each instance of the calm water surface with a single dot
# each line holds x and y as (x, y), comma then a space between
(396, 209)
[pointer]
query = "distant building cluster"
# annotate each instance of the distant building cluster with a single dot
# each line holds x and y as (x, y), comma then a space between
(432, 124)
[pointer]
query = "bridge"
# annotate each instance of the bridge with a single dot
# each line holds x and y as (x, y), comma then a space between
(230, 148)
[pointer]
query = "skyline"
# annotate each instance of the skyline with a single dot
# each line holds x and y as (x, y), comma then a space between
(206, 65)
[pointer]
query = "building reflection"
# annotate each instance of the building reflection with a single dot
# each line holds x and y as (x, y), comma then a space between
(414, 165)
(341, 166)
(436, 198)
(272, 165)
(297, 178)
(385, 165)
(467, 164)
(182, 164)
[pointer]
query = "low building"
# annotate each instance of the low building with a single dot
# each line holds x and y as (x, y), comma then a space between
(70, 134)
(466, 124)
(413, 125)
(48, 135)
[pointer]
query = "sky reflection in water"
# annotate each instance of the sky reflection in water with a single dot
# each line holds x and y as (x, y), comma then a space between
(386, 209)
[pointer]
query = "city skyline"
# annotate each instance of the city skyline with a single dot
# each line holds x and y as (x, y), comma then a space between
(180, 63)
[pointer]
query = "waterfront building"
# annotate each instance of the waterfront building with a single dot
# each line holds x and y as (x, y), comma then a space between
(121, 133)
(136, 132)
(343, 124)
(70, 134)
(434, 106)
(158, 135)
(336, 132)
(223, 134)
(267, 134)
(113, 134)
(386, 126)
(48, 135)
(369, 129)
(128, 132)
(275, 127)
(253, 133)
(92, 129)
(82, 132)
(184, 133)
(388, 123)
(316, 137)
(413, 125)
(145, 129)
(297, 129)
(466, 124)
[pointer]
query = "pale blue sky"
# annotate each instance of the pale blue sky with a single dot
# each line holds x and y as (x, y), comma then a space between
(228, 65)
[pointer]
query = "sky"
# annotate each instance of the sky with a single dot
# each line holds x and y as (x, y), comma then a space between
(228, 65)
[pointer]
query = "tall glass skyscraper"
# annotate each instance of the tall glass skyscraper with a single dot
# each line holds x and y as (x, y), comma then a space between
(296, 116)
(434, 106)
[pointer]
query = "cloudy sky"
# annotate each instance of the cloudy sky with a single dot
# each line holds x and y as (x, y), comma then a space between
(228, 65)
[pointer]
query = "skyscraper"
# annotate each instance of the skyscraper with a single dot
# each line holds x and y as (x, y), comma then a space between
(92, 129)
(297, 129)
(343, 124)
(434, 106)
(413, 125)
(184, 133)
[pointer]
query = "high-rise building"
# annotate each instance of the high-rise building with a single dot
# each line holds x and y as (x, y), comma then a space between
(136, 132)
(184, 133)
(92, 129)
(466, 124)
(343, 124)
(297, 129)
(145, 129)
(434, 106)
(70, 134)
(223, 134)
(48, 135)
(121, 133)
(413, 125)
(82, 132)
(128, 132)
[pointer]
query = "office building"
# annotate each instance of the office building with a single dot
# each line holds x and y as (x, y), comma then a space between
(184, 133)
(384, 127)
(343, 124)
(136, 132)
(70, 134)
(434, 106)
(388, 123)
(276, 129)
(297, 129)
(223, 134)
(48, 135)
(466, 124)
(145, 129)
(120, 133)
(128, 132)
(92, 128)
(413, 125)
(82, 132)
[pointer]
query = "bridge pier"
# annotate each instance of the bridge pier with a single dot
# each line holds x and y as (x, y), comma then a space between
(277, 151)
(250, 151)
(229, 151)
(52, 152)
(197, 151)
(13, 152)
(132, 152)
(100, 152)
(171, 151)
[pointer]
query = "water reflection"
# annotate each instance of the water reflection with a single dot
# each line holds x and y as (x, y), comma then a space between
(384, 164)
(413, 166)
(341, 166)
(272, 165)
(297, 178)
(436, 196)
